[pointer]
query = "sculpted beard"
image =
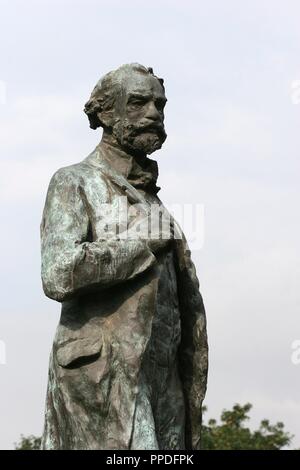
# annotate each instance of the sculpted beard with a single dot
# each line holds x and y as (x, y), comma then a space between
(140, 138)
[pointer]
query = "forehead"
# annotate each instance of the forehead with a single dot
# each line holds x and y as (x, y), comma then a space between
(138, 83)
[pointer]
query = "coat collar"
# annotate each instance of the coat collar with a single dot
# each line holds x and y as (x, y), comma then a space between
(141, 173)
(116, 176)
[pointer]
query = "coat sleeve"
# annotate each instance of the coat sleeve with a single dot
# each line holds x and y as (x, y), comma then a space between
(71, 264)
(193, 351)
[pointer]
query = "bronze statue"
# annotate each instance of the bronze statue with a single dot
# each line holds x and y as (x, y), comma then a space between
(128, 367)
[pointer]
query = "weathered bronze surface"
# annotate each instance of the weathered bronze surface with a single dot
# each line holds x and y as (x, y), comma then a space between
(128, 367)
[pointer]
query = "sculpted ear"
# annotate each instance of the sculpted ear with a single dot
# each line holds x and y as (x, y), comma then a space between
(106, 117)
(100, 112)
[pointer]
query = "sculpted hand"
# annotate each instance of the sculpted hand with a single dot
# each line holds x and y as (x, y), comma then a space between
(158, 237)
(163, 239)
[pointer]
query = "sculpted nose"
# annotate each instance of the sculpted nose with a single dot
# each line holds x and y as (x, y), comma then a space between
(152, 112)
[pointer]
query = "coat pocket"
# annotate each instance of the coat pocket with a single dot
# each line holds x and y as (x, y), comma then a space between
(78, 352)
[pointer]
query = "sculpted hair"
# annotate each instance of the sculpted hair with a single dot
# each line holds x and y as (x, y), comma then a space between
(109, 86)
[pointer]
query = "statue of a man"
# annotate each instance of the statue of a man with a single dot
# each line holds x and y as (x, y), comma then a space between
(128, 366)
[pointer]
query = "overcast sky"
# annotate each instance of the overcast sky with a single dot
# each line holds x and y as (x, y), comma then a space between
(233, 145)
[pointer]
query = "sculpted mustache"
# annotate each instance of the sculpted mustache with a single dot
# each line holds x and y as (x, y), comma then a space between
(149, 127)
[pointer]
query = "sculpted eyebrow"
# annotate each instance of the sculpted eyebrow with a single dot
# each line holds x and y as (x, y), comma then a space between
(139, 96)
(162, 100)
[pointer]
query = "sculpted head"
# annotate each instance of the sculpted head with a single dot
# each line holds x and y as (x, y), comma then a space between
(128, 103)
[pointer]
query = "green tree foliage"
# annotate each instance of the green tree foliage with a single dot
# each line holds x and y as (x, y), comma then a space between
(28, 443)
(232, 434)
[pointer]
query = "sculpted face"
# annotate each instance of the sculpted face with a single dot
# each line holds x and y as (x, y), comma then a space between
(139, 114)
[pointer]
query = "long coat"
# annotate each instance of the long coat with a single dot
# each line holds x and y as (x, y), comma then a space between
(107, 289)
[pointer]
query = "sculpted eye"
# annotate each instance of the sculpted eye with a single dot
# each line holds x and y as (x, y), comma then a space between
(136, 103)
